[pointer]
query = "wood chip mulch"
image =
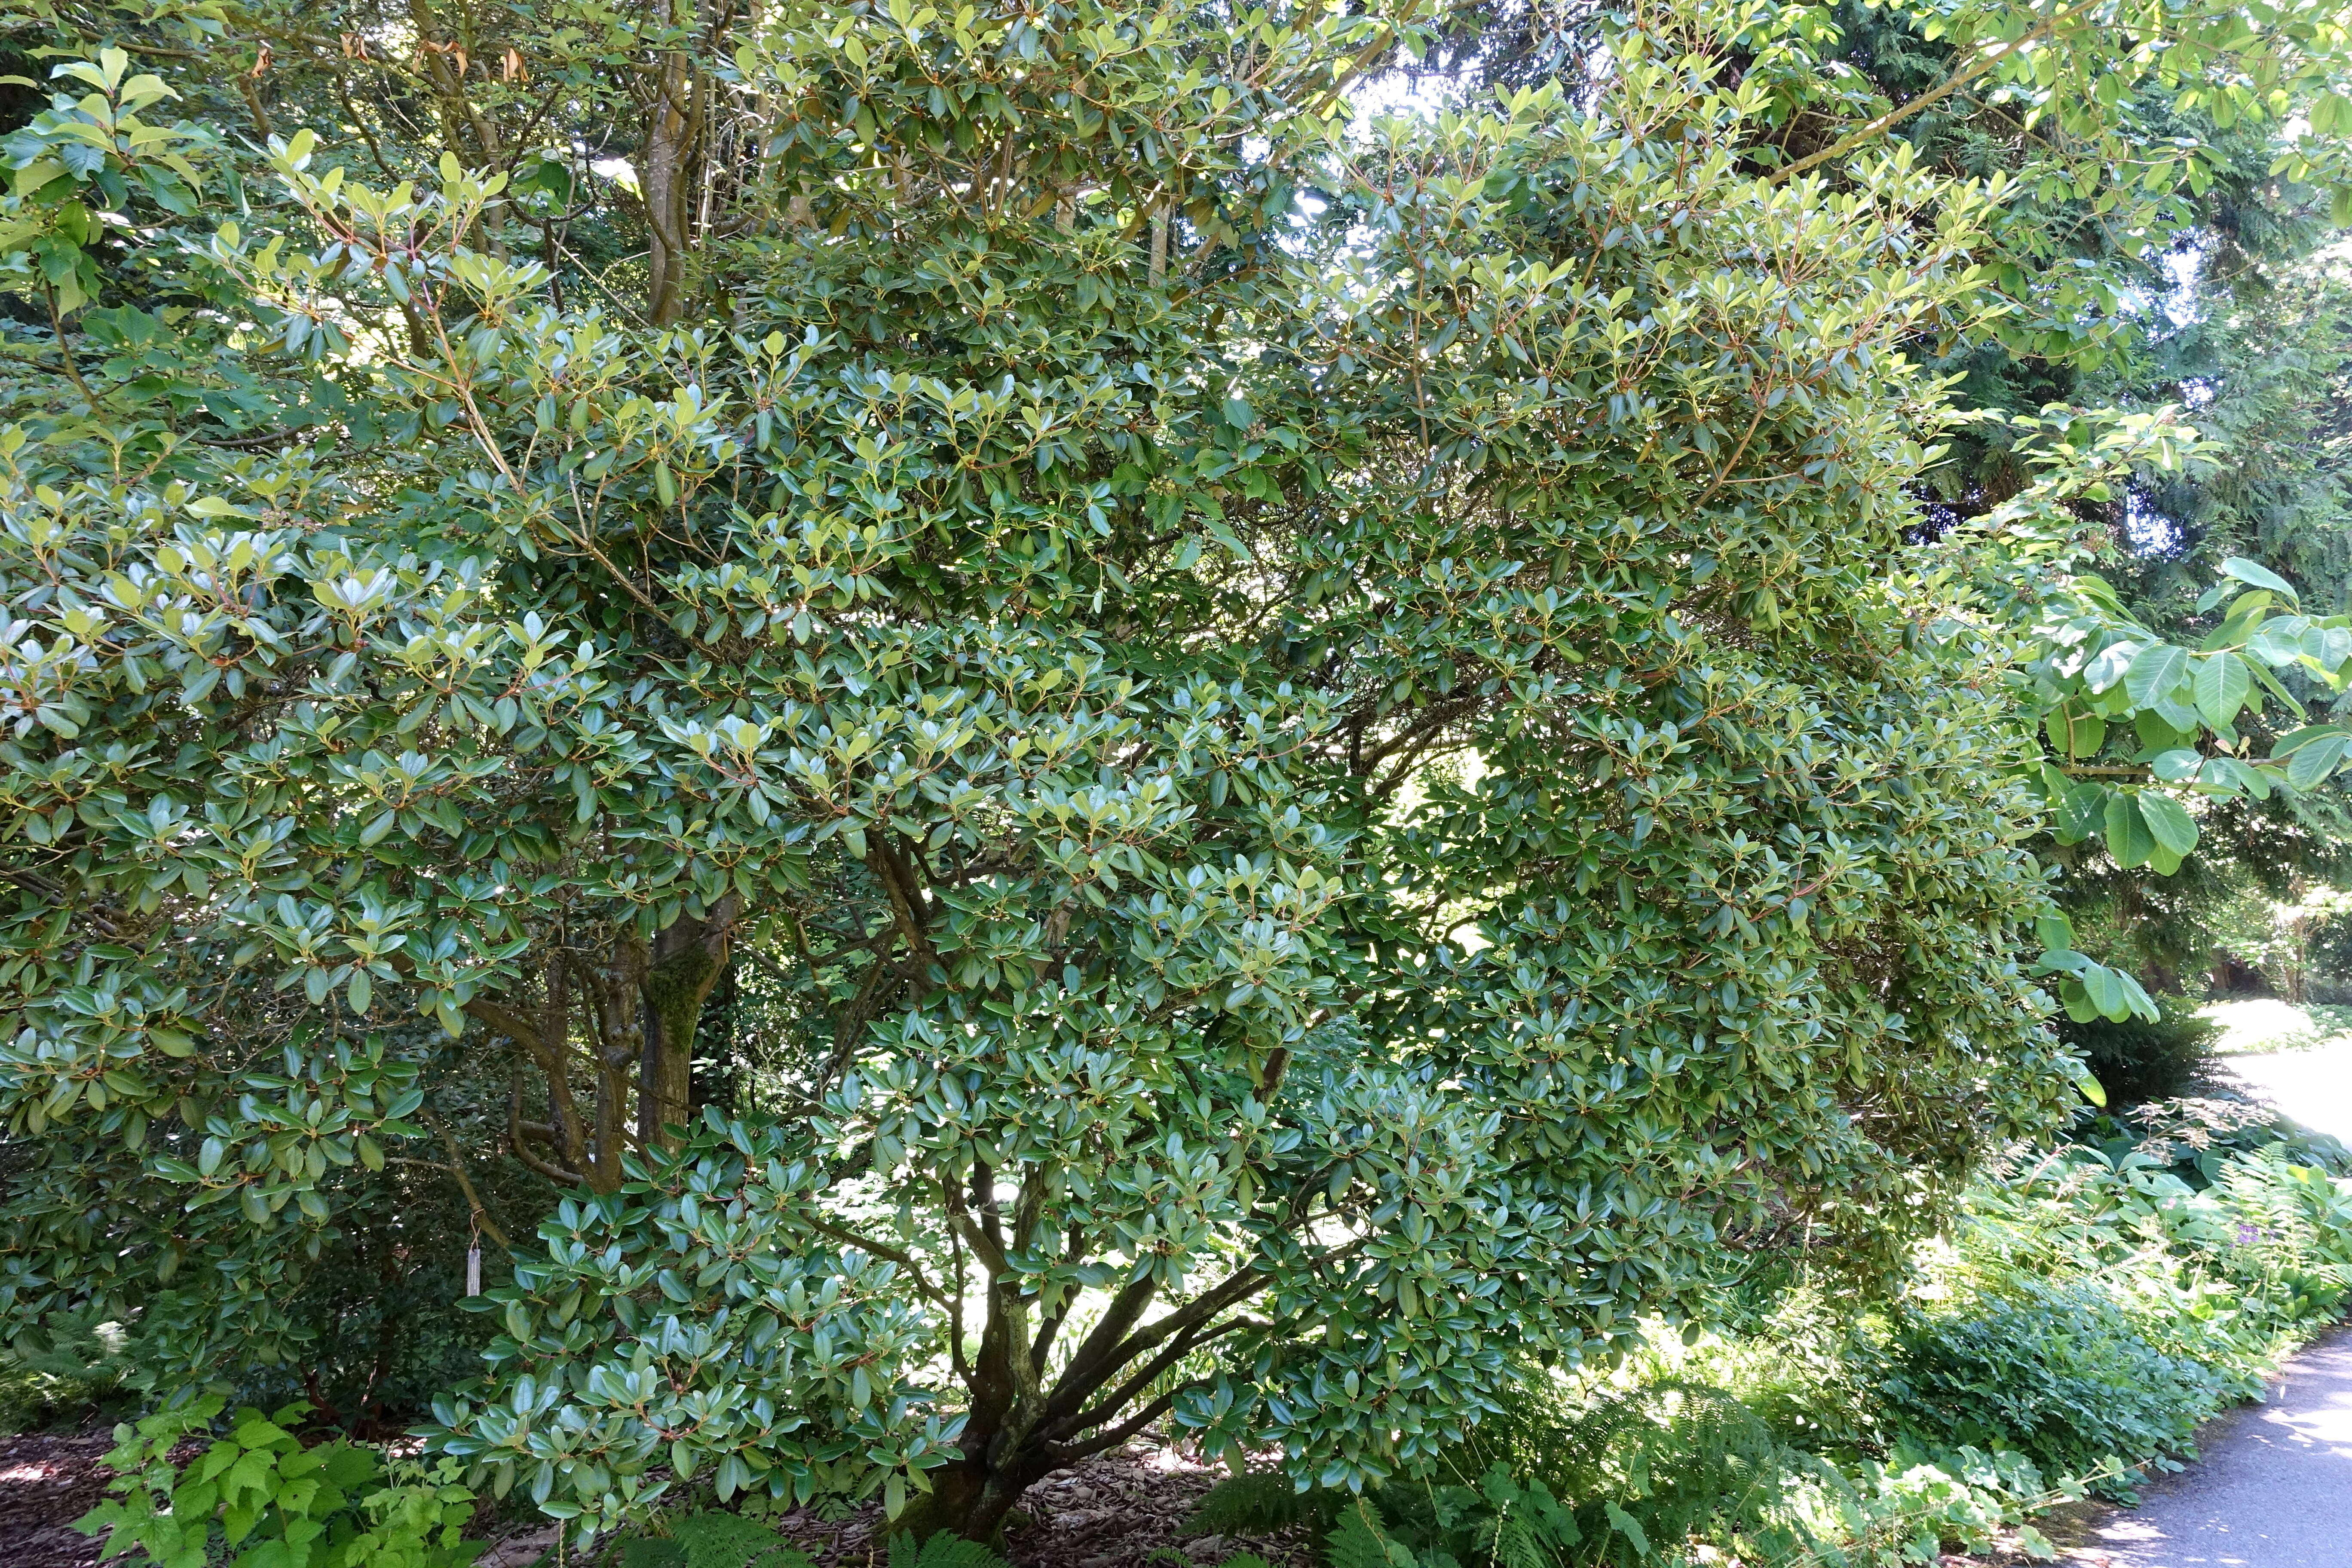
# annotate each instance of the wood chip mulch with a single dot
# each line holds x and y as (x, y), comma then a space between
(1122, 1510)
(47, 1481)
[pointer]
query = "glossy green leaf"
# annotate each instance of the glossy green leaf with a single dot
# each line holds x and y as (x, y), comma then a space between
(2167, 820)
(2222, 685)
(2128, 837)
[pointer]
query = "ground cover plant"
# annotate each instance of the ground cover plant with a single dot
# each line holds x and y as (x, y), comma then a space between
(1117, 756)
(2089, 1310)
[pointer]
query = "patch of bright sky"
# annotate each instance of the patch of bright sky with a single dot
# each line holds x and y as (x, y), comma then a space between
(2149, 530)
(1386, 93)
(2182, 269)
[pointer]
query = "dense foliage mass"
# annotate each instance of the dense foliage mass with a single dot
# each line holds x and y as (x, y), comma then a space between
(2090, 1307)
(1094, 749)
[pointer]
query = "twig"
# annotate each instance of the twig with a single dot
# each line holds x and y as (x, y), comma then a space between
(56, 324)
(1894, 117)
(456, 1167)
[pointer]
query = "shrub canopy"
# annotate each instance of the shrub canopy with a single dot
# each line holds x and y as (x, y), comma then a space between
(1306, 746)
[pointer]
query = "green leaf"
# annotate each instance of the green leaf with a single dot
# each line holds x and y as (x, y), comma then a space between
(2075, 730)
(2128, 839)
(2169, 821)
(2222, 684)
(1626, 1525)
(2106, 988)
(2082, 813)
(2260, 576)
(2315, 760)
(2155, 672)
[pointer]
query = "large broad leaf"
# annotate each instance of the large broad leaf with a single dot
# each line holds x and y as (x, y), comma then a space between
(2169, 821)
(2128, 839)
(2279, 643)
(2082, 812)
(2153, 674)
(2259, 575)
(2106, 988)
(2175, 710)
(1626, 1525)
(2227, 776)
(2315, 760)
(2265, 681)
(2111, 993)
(2075, 730)
(2108, 665)
(2222, 684)
(2324, 649)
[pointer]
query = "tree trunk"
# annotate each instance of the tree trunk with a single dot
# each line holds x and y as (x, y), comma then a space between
(669, 174)
(682, 968)
(966, 1498)
(464, 129)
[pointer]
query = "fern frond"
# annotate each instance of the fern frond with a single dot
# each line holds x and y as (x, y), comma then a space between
(1259, 1503)
(1516, 1546)
(945, 1549)
(1361, 1539)
(726, 1540)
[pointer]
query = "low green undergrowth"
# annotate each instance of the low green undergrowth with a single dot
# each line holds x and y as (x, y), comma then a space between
(2137, 1059)
(67, 1376)
(2090, 1309)
(257, 1497)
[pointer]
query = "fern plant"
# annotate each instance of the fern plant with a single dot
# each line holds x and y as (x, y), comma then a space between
(1622, 1481)
(942, 1551)
(1360, 1540)
(1261, 1502)
(716, 1540)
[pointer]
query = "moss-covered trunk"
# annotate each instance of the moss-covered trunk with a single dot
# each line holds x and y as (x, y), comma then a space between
(681, 971)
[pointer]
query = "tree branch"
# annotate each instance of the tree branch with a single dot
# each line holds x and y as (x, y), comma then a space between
(1111, 1403)
(1894, 117)
(521, 1151)
(1055, 1458)
(904, 1260)
(456, 1167)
